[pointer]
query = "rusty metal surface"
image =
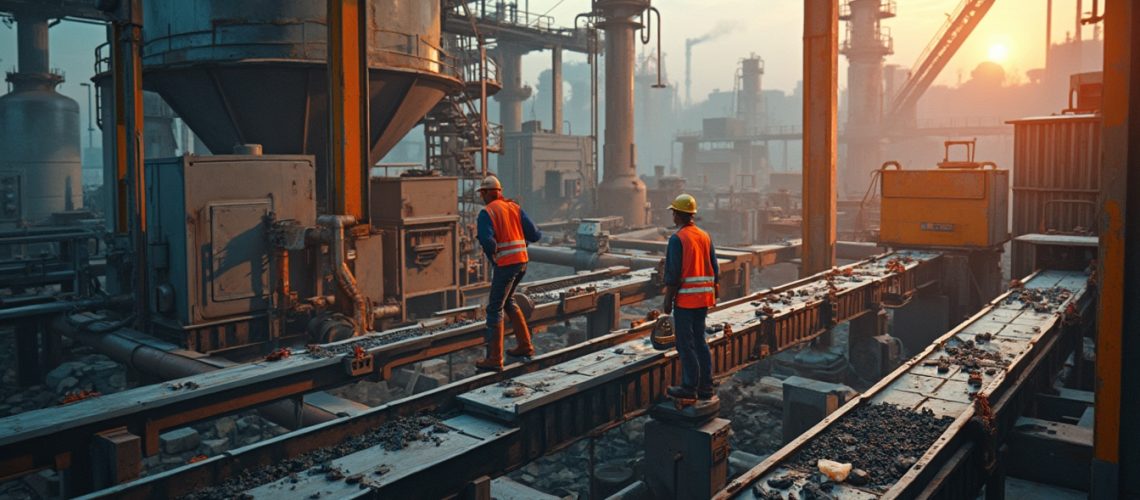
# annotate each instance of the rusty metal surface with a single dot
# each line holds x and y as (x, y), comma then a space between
(31, 439)
(1115, 455)
(1015, 342)
(618, 377)
(820, 134)
(1056, 178)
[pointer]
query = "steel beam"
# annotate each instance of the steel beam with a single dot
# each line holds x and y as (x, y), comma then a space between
(31, 439)
(1116, 454)
(348, 108)
(632, 379)
(821, 85)
(1037, 342)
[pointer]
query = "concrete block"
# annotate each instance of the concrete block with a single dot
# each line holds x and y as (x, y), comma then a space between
(808, 401)
(213, 447)
(179, 440)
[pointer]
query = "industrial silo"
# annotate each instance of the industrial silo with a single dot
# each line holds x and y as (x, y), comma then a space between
(40, 166)
(254, 72)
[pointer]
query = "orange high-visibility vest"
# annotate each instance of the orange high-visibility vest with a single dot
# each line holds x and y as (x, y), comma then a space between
(510, 243)
(697, 279)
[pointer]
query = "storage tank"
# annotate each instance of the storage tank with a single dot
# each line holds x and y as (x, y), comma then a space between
(40, 165)
(254, 72)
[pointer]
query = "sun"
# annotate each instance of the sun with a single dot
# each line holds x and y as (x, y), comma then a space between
(999, 52)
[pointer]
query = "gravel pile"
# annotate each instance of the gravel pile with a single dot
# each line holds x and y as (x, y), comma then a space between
(883, 440)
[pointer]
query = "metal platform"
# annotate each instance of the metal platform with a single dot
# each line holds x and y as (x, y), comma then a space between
(581, 389)
(1029, 336)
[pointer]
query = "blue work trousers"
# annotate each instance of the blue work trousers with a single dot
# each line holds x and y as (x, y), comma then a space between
(504, 281)
(696, 360)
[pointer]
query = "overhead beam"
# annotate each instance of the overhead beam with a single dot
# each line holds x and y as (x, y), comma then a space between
(821, 85)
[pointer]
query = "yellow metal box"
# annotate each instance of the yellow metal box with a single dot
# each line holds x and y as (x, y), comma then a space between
(948, 207)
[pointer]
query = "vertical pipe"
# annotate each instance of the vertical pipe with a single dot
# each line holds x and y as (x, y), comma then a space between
(556, 89)
(1116, 456)
(32, 43)
(821, 81)
(621, 193)
(1077, 27)
(513, 93)
(348, 108)
(130, 173)
(1048, 30)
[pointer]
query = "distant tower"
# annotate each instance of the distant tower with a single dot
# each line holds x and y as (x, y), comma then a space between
(749, 99)
(866, 45)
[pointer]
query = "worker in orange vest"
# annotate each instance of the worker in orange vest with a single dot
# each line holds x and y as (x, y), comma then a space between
(504, 231)
(691, 272)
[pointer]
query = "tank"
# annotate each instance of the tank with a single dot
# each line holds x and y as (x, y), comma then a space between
(254, 72)
(41, 170)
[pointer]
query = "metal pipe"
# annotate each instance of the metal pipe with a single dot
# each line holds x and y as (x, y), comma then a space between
(556, 89)
(53, 308)
(127, 346)
(32, 43)
(622, 192)
(580, 260)
(345, 280)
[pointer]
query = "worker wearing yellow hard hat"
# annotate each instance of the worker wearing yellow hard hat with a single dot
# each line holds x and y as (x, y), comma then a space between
(691, 275)
(504, 230)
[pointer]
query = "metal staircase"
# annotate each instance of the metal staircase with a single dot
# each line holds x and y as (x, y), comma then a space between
(935, 58)
(456, 132)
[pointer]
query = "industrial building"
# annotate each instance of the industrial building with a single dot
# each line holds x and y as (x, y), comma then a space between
(261, 266)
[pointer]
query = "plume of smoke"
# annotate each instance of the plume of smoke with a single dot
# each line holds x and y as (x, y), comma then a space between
(722, 28)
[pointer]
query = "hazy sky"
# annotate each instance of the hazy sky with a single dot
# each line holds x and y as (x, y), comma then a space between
(770, 28)
(773, 29)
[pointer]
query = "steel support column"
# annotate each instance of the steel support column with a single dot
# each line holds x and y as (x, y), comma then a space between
(348, 108)
(130, 177)
(821, 83)
(1116, 454)
(514, 92)
(556, 89)
(621, 192)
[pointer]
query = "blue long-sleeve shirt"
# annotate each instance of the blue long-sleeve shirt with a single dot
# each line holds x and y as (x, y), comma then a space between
(485, 232)
(674, 258)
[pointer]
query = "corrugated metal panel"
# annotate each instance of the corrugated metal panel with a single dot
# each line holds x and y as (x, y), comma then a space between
(1056, 178)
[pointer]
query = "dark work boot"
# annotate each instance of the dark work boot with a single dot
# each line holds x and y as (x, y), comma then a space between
(706, 392)
(681, 392)
(494, 359)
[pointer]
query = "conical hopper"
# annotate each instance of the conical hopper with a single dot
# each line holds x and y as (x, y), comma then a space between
(254, 72)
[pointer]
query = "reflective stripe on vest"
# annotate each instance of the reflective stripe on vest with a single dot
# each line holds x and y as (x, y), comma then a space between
(506, 221)
(697, 280)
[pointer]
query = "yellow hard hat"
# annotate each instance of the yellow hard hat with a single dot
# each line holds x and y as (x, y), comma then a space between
(684, 203)
(491, 183)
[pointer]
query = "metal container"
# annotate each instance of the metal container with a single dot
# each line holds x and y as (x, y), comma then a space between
(418, 221)
(254, 72)
(945, 208)
(1056, 179)
(41, 171)
(208, 243)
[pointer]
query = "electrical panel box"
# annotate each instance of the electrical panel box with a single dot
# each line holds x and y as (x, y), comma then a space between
(209, 256)
(948, 207)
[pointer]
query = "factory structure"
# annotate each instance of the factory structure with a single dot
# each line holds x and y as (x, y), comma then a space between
(267, 275)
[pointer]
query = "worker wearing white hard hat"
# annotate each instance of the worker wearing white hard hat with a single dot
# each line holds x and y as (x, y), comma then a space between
(504, 231)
